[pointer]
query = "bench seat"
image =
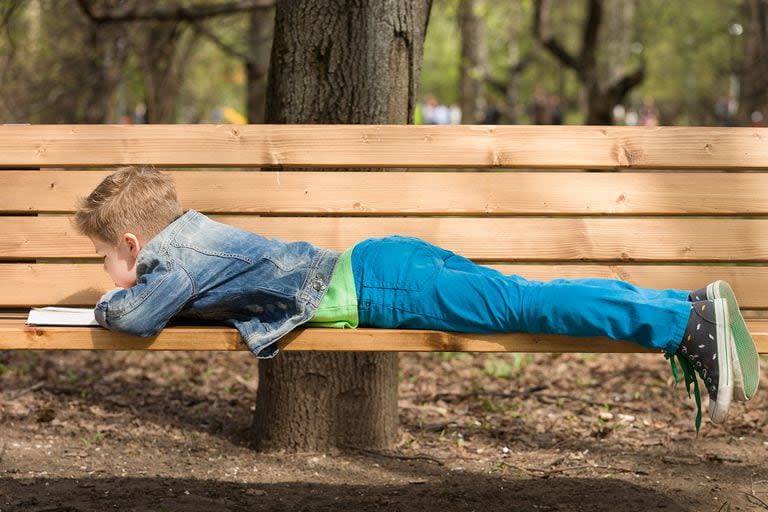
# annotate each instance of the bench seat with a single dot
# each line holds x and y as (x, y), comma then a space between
(16, 335)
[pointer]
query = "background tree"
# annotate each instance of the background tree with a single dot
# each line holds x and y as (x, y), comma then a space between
(507, 83)
(619, 35)
(166, 41)
(45, 81)
(600, 97)
(754, 70)
(55, 69)
(335, 64)
(474, 60)
(164, 49)
(88, 60)
(257, 63)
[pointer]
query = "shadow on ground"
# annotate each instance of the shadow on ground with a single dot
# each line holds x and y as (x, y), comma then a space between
(461, 492)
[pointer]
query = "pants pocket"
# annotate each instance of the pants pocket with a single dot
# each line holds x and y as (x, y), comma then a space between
(400, 263)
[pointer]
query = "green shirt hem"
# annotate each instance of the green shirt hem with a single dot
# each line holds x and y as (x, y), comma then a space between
(338, 309)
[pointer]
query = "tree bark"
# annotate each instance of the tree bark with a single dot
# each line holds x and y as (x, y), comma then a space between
(341, 62)
(474, 61)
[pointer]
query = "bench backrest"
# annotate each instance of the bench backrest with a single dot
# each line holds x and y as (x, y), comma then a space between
(661, 207)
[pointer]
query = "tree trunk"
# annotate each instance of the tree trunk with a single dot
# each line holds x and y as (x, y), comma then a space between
(315, 401)
(257, 66)
(599, 106)
(164, 53)
(337, 64)
(108, 63)
(474, 61)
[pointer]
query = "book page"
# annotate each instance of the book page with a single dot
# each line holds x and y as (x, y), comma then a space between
(61, 316)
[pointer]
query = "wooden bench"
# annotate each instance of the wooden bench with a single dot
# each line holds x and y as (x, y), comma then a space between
(677, 207)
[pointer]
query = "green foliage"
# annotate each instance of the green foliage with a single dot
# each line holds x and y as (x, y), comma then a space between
(220, 81)
(686, 47)
(57, 66)
(51, 57)
(688, 50)
(442, 49)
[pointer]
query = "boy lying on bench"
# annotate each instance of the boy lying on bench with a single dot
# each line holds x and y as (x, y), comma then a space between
(183, 265)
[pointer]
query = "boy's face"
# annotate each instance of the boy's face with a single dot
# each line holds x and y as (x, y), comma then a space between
(120, 260)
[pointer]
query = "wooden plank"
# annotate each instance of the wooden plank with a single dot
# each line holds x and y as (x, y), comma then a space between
(419, 193)
(24, 284)
(28, 284)
(14, 335)
(459, 146)
(482, 239)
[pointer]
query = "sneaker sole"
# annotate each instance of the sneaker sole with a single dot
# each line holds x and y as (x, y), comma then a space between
(746, 367)
(718, 409)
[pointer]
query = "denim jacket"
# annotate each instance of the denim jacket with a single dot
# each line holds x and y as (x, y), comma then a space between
(200, 271)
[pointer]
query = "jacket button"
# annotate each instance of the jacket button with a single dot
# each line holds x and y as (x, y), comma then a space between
(317, 285)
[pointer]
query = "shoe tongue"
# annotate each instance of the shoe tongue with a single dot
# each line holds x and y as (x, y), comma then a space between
(706, 310)
(697, 295)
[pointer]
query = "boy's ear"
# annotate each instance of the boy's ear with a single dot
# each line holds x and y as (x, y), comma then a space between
(133, 243)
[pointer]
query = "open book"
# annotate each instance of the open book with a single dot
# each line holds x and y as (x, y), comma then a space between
(61, 316)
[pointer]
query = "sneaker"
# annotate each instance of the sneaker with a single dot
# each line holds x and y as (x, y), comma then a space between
(707, 349)
(746, 368)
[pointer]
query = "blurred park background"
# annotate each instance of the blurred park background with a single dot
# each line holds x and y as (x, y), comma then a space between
(633, 62)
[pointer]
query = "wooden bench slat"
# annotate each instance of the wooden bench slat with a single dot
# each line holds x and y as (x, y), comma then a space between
(399, 193)
(456, 146)
(25, 285)
(492, 239)
(14, 335)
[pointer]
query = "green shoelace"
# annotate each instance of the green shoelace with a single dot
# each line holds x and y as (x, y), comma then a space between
(690, 378)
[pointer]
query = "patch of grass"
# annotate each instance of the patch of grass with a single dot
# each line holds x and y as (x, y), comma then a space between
(96, 439)
(19, 370)
(506, 367)
(488, 405)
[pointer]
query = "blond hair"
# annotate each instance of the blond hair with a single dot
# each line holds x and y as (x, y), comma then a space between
(136, 199)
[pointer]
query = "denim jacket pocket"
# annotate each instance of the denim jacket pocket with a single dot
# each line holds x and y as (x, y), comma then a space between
(288, 262)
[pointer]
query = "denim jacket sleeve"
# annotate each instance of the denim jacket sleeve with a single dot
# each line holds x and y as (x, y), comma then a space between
(144, 309)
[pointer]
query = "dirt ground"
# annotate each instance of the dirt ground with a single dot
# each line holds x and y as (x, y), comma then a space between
(97, 431)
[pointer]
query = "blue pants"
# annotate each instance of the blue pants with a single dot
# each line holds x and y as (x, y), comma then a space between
(405, 282)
